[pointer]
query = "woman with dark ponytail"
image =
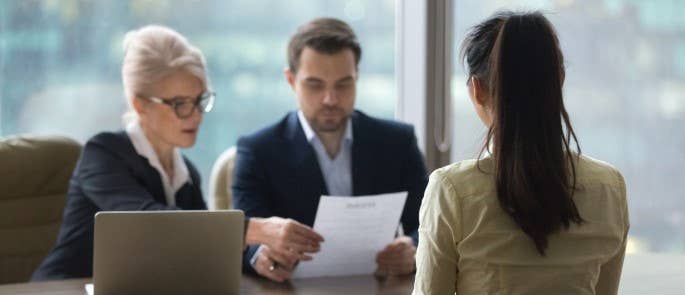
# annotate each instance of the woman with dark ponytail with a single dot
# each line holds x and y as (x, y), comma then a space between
(531, 215)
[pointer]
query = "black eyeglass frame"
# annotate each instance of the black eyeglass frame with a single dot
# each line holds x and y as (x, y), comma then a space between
(203, 102)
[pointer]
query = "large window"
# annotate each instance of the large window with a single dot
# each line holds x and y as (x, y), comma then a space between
(60, 62)
(625, 91)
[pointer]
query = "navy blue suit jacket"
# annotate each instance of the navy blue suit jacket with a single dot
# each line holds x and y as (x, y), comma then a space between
(277, 172)
(110, 176)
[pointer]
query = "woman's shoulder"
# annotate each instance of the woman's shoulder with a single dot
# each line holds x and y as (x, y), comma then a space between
(111, 143)
(110, 138)
(467, 177)
(590, 170)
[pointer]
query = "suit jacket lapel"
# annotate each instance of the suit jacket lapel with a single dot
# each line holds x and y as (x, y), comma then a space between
(152, 177)
(304, 158)
(362, 157)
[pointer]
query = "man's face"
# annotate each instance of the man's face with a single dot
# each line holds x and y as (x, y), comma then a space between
(325, 87)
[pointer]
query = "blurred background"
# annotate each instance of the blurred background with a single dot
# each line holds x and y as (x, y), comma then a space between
(625, 82)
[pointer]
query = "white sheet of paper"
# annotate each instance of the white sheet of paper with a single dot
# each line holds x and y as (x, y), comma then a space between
(355, 229)
(89, 289)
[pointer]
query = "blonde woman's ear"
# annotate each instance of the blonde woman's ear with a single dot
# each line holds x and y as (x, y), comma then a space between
(138, 105)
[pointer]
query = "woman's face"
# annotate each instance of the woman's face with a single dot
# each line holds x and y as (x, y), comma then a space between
(160, 122)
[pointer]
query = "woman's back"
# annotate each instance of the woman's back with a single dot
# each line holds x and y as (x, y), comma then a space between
(534, 217)
(465, 233)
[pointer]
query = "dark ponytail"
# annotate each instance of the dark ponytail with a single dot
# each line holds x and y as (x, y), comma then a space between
(517, 60)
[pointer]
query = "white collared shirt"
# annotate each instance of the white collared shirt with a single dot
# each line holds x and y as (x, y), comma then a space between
(144, 148)
(337, 172)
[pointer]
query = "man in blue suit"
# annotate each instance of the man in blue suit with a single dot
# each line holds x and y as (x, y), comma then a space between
(326, 148)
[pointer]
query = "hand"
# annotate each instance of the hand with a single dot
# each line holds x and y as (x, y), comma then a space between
(270, 268)
(288, 240)
(397, 258)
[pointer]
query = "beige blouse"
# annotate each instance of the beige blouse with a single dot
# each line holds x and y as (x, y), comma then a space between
(469, 245)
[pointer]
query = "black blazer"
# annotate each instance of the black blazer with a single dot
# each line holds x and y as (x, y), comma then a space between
(277, 172)
(110, 176)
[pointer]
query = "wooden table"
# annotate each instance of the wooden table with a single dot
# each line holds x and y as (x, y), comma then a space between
(355, 285)
(661, 274)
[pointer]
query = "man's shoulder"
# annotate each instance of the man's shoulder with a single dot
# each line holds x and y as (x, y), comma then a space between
(383, 129)
(266, 135)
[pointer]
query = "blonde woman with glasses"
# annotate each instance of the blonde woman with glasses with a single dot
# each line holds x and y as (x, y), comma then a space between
(141, 167)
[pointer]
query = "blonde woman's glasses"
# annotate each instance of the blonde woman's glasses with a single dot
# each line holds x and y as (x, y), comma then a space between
(184, 106)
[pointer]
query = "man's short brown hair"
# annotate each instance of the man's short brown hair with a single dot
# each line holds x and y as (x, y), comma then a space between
(324, 35)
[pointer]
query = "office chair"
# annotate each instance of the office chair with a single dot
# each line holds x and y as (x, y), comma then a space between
(221, 180)
(34, 178)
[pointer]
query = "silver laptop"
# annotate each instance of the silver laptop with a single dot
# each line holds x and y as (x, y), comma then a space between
(168, 252)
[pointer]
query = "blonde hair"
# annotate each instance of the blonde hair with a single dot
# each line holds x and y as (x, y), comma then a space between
(150, 54)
